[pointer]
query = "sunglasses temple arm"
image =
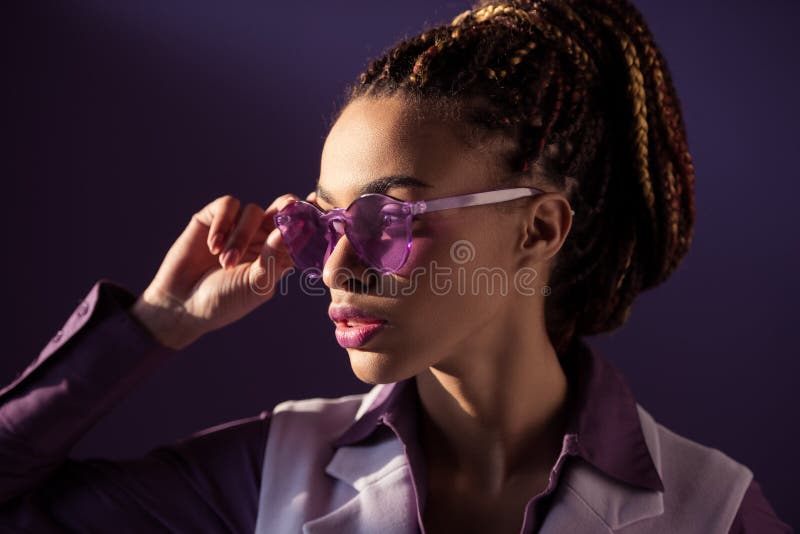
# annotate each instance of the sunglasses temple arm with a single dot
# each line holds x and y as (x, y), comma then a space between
(473, 199)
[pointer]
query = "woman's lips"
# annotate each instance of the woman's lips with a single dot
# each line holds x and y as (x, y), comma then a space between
(356, 332)
(354, 325)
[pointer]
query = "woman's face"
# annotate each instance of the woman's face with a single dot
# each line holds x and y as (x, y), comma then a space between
(437, 306)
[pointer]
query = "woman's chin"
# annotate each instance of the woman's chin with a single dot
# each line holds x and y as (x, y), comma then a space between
(378, 367)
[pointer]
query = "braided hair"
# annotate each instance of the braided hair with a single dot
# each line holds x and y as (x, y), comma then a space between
(582, 90)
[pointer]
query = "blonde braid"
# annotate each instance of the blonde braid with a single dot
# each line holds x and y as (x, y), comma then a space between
(637, 94)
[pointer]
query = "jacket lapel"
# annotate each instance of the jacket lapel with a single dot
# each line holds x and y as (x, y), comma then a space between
(385, 502)
(590, 501)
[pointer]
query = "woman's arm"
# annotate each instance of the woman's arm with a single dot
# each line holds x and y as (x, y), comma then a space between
(207, 482)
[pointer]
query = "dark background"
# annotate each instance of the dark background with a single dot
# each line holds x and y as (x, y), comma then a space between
(123, 118)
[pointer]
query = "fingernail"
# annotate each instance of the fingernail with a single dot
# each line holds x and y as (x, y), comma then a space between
(230, 257)
(216, 243)
(273, 237)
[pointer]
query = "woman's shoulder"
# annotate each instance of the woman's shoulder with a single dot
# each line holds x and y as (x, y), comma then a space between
(697, 477)
(708, 478)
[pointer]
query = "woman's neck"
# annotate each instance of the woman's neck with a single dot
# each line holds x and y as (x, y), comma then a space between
(497, 410)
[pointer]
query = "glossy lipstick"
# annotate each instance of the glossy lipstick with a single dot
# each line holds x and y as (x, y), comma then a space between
(354, 327)
(351, 337)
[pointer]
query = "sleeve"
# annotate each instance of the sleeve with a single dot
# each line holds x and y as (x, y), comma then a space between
(756, 515)
(207, 482)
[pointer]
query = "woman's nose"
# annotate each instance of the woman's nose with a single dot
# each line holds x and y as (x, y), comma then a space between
(342, 264)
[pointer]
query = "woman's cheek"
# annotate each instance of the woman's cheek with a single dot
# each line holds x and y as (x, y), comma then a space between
(439, 251)
(425, 251)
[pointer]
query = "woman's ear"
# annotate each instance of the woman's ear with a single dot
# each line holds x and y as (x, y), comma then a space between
(547, 222)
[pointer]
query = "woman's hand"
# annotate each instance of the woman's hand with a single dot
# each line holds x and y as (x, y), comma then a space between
(226, 262)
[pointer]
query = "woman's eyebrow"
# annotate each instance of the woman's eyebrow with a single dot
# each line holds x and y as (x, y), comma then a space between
(380, 185)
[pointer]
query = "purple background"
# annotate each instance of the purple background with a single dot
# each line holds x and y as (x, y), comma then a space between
(127, 117)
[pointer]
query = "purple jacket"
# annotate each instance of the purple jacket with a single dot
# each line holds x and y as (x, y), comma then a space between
(231, 478)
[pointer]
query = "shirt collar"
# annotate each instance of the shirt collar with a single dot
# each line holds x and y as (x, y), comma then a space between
(601, 407)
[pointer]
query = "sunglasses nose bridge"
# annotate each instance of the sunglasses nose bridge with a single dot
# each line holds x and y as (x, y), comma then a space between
(338, 226)
(337, 229)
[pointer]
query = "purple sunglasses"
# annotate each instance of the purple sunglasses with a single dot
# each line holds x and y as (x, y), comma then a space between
(378, 226)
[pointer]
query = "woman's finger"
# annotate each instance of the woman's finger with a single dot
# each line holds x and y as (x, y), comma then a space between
(223, 212)
(268, 224)
(247, 225)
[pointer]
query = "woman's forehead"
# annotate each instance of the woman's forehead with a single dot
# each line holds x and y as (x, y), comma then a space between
(376, 138)
(371, 132)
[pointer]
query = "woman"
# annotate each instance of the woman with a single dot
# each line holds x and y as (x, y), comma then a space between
(513, 180)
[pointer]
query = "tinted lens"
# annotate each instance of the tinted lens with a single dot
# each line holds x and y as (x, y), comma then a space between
(381, 232)
(303, 233)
